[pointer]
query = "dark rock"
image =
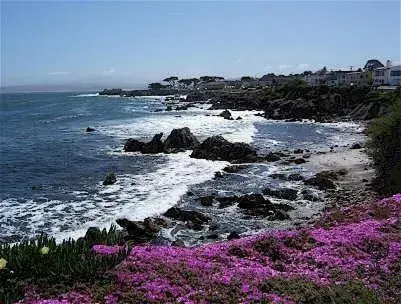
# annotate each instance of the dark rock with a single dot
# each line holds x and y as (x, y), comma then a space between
(310, 196)
(226, 114)
(356, 146)
(181, 138)
(178, 243)
(233, 169)
(133, 145)
(282, 193)
(206, 201)
(239, 118)
(284, 207)
(152, 147)
(110, 179)
(295, 177)
(364, 180)
(323, 180)
(298, 151)
(194, 219)
(89, 129)
(280, 215)
(253, 201)
(218, 174)
(169, 108)
(217, 148)
(272, 157)
(233, 235)
(226, 201)
(142, 231)
(299, 161)
(278, 176)
(212, 236)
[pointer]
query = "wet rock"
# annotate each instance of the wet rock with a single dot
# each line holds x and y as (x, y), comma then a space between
(233, 235)
(110, 179)
(309, 195)
(89, 129)
(295, 177)
(181, 139)
(217, 148)
(253, 201)
(356, 146)
(218, 174)
(178, 243)
(142, 231)
(206, 201)
(212, 236)
(298, 151)
(279, 215)
(323, 180)
(282, 193)
(239, 118)
(281, 176)
(284, 207)
(226, 201)
(272, 157)
(226, 114)
(233, 169)
(169, 108)
(152, 147)
(299, 161)
(194, 219)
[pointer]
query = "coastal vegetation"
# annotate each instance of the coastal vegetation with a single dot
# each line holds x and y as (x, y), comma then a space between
(352, 255)
(385, 145)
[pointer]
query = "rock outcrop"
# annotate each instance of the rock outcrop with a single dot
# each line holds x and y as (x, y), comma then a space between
(218, 148)
(181, 139)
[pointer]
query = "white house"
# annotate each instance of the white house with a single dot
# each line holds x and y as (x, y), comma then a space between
(388, 75)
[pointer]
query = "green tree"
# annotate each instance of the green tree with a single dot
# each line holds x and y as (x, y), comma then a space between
(246, 78)
(171, 80)
(155, 86)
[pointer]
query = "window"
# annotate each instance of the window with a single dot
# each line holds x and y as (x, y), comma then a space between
(395, 73)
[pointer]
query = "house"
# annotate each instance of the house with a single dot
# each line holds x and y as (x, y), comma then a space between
(357, 78)
(336, 78)
(388, 75)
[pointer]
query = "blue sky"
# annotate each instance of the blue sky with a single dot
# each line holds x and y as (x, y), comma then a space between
(137, 42)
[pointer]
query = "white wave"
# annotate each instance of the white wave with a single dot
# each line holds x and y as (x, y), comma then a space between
(133, 196)
(201, 122)
(87, 95)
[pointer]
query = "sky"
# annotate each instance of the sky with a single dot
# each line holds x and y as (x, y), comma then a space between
(104, 42)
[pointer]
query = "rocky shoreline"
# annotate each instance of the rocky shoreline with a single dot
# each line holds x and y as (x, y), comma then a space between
(200, 216)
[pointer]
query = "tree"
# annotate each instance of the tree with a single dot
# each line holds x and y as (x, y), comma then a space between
(171, 80)
(246, 78)
(155, 86)
(210, 78)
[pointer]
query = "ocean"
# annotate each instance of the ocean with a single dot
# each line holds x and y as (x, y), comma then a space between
(52, 170)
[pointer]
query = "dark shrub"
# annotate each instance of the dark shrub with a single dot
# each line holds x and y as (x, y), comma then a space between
(385, 147)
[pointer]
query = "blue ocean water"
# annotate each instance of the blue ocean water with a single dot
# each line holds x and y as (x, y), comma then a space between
(52, 170)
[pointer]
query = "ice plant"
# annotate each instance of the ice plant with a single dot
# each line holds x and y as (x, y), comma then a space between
(3, 263)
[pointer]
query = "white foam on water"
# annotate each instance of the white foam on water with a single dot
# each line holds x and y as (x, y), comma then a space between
(86, 95)
(202, 124)
(133, 196)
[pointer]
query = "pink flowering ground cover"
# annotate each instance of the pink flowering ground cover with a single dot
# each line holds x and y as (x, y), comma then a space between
(352, 255)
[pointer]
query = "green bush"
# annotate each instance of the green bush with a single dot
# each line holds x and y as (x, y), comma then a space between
(45, 265)
(385, 148)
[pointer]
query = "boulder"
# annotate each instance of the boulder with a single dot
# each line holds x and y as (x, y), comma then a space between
(323, 180)
(206, 200)
(299, 161)
(295, 177)
(226, 114)
(279, 215)
(282, 193)
(154, 146)
(110, 179)
(233, 235)
(226, 201)
(218, 174)
(142, 231)
(194, 219)
(310, 196)
(284, 207)
(181, 138)
(298, 151)
(356, 146)
(89, 129)
(253, 201)
(133, 145)
(233, 169)
(272, 157)
(218, 148)
(239, 118)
